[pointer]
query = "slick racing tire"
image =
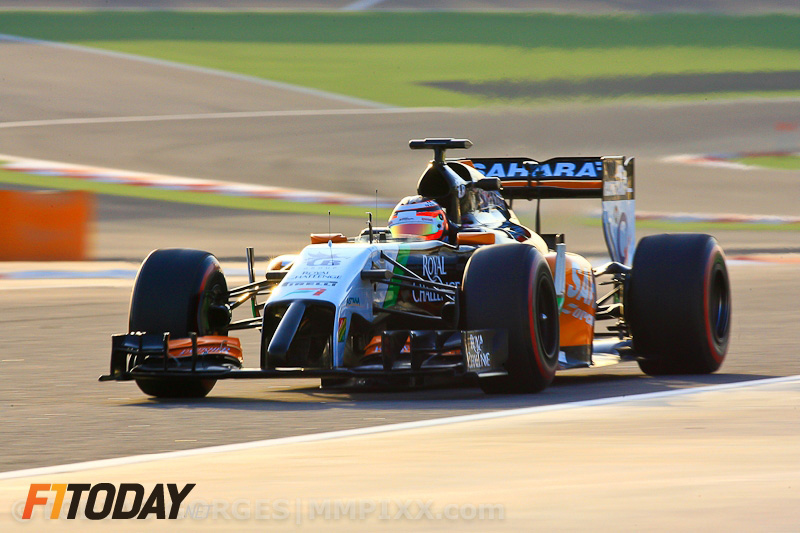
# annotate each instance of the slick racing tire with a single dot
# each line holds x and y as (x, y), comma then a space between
(678, 304)
(176, 291)
(510, 287)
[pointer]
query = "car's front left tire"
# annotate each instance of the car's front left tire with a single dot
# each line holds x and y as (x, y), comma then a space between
(510, 287)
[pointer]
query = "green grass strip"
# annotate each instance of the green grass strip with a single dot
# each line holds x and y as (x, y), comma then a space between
(182, 197)
(525, 30)
(387, 57)
(785, 162)
(399, 71)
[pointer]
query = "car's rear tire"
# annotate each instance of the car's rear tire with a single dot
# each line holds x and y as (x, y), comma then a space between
(175, 291)
(678, 304)
(510, 287)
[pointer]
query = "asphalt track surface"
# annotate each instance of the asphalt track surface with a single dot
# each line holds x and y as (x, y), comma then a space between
(667, 461)
(55, 342)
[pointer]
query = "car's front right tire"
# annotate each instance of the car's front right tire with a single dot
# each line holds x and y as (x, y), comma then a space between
(176, 291)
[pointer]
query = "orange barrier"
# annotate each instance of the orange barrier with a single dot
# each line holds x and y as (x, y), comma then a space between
(45, 225)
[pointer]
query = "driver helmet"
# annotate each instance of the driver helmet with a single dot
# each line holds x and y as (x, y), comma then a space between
(417, 216)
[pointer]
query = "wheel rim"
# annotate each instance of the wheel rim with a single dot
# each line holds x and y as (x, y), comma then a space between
(719, 307)
(212, 316)
(547, 319)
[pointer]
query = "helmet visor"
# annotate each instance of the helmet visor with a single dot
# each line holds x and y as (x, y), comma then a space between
(426, 230)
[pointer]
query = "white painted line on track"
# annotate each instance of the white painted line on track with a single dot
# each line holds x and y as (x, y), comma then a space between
(361, 5)
(78, 274)
(92, 275)
(720, 218)
(85, 284)
(228, 115)
(113, 273)
(717, 218)
(374, 430)
(200, 70)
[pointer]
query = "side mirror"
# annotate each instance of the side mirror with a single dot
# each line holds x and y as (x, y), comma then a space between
(489, 184)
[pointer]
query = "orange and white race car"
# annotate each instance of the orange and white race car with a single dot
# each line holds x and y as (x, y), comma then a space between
(454, 286)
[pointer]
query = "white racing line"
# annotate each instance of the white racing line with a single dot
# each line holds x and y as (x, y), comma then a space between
(96, 274)
(717, 218)
(368, 107)
(192, 68)
(373, 430)
(362, 5)
(81, 275)
(222, 116)
(16, 276)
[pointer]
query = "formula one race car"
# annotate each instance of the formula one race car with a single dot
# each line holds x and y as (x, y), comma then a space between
(454, 287)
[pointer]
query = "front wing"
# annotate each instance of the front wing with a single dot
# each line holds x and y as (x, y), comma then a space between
(483, 354)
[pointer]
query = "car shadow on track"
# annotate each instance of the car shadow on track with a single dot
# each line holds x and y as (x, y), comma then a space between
(565, 389)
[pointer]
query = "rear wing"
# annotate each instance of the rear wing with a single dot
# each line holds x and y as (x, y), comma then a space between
(610, 178)
(560, 177)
